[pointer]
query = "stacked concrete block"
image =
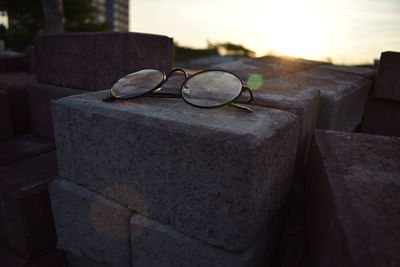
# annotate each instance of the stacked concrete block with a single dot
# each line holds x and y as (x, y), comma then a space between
(387, 83)
(90, 228)
(26, 220)
(382, 114)
(17, 85)
(215, 175)
(268, 67)
(53, 259)
(369, 73)
(343, 96)
(266, 77)
(352, 200)
(94, 61)
(22, 147)
(40, 97)
(6, 125)
(155, 244)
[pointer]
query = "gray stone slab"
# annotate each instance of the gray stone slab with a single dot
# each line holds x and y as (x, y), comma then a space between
(268, 66)
(363, 71)
(90, 226)
(343, 96)
(282, 94)
(155, 244)
(387, 83)
(94, 61)
(214, 174)
(6, 125)
(352, 200)
(381, 117)
(39, 97)
(271, 91)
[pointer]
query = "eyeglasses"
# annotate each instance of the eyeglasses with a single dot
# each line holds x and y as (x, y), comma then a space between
(205, 89)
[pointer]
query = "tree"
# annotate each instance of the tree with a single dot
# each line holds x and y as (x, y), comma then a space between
(53, 16)
(26, 20)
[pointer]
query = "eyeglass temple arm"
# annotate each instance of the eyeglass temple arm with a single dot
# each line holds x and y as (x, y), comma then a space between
(175, 70)
(244, 88)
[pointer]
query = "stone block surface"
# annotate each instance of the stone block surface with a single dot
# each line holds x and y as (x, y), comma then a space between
(6, 125)
(381, 117)
(343, 96)
(363, 71)
(214, 174)
(14, 63)
(90, 226)
(25, 213)
(17, 85)
(94, 61)
(9, 258)
(155, 244)
(387, 83)
(23, 146)
(268, 66)
(352, 200)
(280, 93)
(40, 97)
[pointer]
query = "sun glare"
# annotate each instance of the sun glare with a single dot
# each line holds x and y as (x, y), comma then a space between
(299, 30)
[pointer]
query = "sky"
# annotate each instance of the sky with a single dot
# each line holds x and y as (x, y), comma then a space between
(344, 31)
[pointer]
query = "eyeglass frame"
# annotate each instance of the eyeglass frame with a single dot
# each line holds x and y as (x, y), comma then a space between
(153, 92)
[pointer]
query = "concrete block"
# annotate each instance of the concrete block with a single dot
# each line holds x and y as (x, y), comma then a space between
(352, 200)
(369, 73)
(40, 97)
(23, 146)
(16, 85)
(387, 83)
(26, 213)
(9, 258)
(280, 93)
(14, 63)
(268, 66)
(155, 244)
(90, 226)
(6, 125)
(381, 117)
(214, 174)
(343, 96)
(94, 61)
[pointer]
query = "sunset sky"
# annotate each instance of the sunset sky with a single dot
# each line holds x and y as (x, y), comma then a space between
(348, 32)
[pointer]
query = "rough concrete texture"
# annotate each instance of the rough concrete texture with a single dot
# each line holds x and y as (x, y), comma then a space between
(90, 226)
(9, 258)
(352, 200)
(282, 94)
(214, 174)
(155, 244)
(23, 146)
(343, 96)
(268, 66)
(17, 84)
(40, 97)
(363, 71)
(381, 117)
(14, 63)
(6, 125)
(26, 214)
(387, 83)
(293, 242)
(98, 59)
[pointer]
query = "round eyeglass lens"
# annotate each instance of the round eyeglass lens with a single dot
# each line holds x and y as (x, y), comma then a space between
(137, 83)
(211, 88)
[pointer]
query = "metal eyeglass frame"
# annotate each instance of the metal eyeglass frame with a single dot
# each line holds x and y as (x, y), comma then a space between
(154, 93)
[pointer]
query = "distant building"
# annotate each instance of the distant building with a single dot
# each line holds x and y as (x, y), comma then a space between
(114, 12)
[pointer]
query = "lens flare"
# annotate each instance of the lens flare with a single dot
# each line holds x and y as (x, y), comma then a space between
(255, 81)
